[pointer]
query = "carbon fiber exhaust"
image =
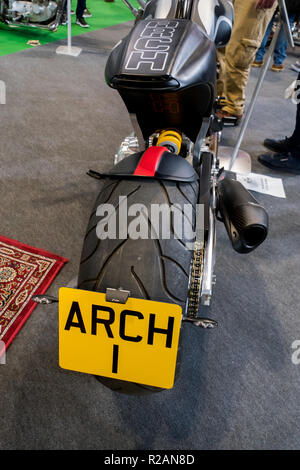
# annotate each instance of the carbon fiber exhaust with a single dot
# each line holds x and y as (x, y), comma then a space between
(246, 221)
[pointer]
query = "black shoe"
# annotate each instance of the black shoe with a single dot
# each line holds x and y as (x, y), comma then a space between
(81, 22)
(279, 146)
(87, 13)
(281, 161)
(64, 19)
(228, 119)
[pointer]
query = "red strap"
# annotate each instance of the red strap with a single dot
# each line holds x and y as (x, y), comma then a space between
(149, 162)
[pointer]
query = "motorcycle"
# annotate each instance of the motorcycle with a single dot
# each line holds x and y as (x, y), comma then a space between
(42, 14)
(124, 321)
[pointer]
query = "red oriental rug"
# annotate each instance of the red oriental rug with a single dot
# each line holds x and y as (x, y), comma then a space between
(24, 271)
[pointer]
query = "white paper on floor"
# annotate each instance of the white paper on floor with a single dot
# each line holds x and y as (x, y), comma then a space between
(262, 184)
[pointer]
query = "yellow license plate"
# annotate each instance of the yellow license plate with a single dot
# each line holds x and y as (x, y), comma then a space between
(136, 341)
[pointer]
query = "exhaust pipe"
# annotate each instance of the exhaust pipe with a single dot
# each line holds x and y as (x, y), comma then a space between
(246, 221)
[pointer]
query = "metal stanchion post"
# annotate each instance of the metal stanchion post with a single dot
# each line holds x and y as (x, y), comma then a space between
(69, 28)
(69, 50)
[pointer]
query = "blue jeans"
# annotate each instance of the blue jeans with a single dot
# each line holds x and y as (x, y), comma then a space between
(280, 47)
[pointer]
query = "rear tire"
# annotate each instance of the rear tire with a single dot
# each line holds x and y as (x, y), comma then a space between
(149, 269)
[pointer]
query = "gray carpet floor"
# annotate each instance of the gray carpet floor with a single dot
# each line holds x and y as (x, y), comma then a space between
(238, 387)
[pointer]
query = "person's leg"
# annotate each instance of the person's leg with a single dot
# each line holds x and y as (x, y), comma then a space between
(64, 18)
(296, 135)
(289, 144)
(262, 49)
(288, 158)
(281, 45)
(295, 138)
(81, 6)
(80, 21)
(248, 32)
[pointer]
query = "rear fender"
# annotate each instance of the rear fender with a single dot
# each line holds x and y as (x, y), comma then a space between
(155, 162)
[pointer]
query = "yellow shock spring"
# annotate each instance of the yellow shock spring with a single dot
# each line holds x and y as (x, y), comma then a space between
(170, 139)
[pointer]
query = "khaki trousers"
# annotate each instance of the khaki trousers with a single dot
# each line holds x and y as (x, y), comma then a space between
(236, 58)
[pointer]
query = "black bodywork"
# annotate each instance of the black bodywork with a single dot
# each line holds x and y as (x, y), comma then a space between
(165, 70)
(168, 85)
